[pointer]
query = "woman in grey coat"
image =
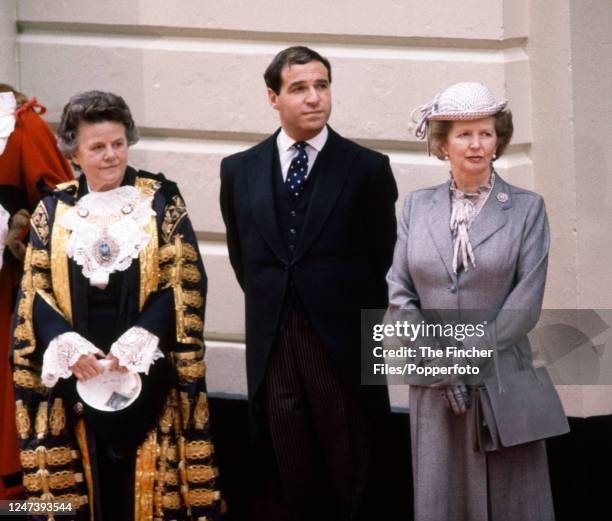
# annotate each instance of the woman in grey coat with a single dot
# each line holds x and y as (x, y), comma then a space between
(472, 243)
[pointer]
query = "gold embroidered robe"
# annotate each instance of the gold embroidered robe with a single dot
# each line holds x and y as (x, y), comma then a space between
(175, 475)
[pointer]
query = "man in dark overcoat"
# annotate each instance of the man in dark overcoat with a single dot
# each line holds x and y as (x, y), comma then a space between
(311, 227)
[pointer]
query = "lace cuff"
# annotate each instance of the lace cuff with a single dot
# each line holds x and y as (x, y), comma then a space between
(62, 353)
(137, 349)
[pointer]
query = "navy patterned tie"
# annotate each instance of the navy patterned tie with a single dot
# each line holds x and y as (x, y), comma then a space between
(296, 175)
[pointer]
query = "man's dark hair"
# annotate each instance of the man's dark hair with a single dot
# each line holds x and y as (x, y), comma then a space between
(297, 55)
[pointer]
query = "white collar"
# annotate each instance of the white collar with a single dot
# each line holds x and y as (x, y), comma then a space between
(285, 142)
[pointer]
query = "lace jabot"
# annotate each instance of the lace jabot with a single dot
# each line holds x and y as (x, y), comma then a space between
(464, 209)
(8, 105)
(107, 231)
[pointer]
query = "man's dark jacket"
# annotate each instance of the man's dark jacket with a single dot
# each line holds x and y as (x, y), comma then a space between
(339, 264)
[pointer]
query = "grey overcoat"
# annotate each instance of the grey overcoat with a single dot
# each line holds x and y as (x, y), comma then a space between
(510, 239)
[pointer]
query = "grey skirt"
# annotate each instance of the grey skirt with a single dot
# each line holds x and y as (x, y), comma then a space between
(455, 482)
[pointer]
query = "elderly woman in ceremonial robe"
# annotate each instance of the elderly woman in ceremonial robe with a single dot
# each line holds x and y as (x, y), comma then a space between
(112, 299)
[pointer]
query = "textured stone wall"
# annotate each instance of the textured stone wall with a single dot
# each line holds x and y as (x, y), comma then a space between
(191, 70)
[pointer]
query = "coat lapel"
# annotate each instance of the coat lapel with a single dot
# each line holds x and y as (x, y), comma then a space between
(438, 224)
(261, 194)
(332, 164)
(492, 217)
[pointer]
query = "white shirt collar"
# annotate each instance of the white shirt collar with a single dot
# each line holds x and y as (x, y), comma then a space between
(317, 142)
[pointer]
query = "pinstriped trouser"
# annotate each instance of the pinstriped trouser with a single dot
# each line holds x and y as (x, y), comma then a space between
(317, 426)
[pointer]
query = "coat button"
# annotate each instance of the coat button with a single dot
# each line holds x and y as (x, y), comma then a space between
(293, 213)
(78, 408)
(292, 230)
(453, 288)
(291, 247)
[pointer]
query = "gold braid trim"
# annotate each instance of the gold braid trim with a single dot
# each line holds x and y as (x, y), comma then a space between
(174, 213)
(193, 298)
(19, 358)
(24, 332)
(55, 456)
(168, 253)
(201, 413)
(42, 420)
(29, 380)
(161, 476)
(185, 410)
(149, 262)
(171, 478)
(182, 463)
(57, 421)
(33, 282)
(188, 273)
(172, 501)
(200, 497)
(22, 419)
(191, 371)
(172, 452)
(42, 479)
(191, 273)
(75, 499)
(193, 323)
(145, 478)
(59, 262)
(177, 273)
(199, 449)
(41, 281)
(167, 420)
(40, 223)
(81, 437)
(201, 473)
(40, 259)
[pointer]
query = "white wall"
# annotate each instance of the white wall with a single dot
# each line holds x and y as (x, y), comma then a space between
(8, 45)
(191, 70)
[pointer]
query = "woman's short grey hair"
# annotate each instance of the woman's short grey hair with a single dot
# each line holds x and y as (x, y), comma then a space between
(93, 106)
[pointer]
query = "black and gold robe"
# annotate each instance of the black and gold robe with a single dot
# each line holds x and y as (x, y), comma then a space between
(67, 450)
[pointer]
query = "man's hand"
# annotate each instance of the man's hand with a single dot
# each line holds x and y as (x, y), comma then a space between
(14, 239)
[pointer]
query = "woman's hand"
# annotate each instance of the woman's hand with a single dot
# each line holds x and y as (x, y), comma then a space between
(86, 367)
(114, 366)
(456, 398)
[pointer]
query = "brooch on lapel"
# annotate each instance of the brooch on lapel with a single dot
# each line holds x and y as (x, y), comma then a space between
(502, 197)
